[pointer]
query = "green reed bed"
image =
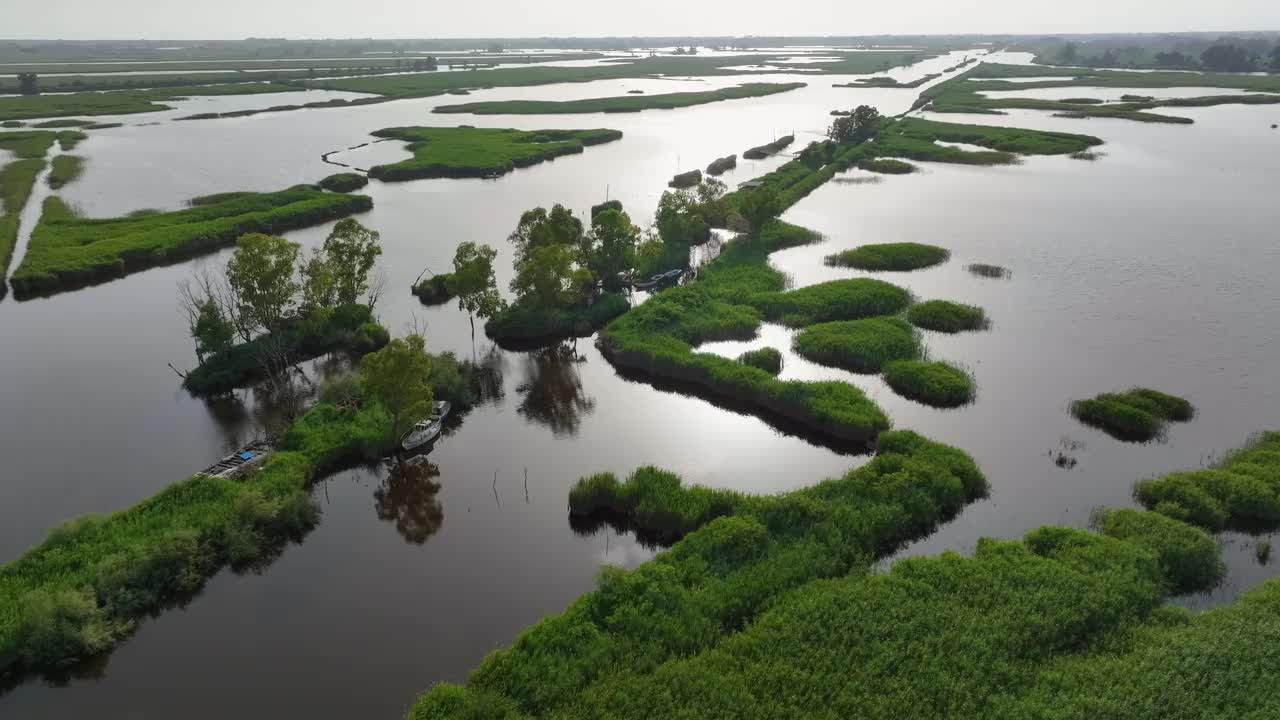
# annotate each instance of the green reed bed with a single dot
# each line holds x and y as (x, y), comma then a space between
(1189, 558)
(468, 152)
(897, 257)
(884, 81)
(835, 300)
(65, 169)
(861, 346)
(1136, 415)
(344, 182)
(620, 104)
(937, 384)
(887, 166)
(766, 358)
(67, 251)
(520, 325)
(947, 317)
(123, 102)
(1241, 492)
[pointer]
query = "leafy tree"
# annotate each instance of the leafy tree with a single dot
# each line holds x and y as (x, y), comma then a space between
(1068, 54)
(28, 84)
(546, 278)
(711, 194)
(679, 219)
(609, 249)
(261, 277)
(351, 251)
(211, 329)
(855, 127)
(650, 253)
(1228, 58)
(1174, 59)
(474, 281)
(759, 207)
(396, 377)
(541, 228)
(318, 287)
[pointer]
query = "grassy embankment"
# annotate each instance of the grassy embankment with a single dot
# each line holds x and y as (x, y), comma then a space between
(963, 93)
(467, 152)
(349, 328)
(894, 257)
(67, 252)
(125, 102)
(344, 182)
(622, 104)
(18, 178)
(765, 608)
(1241, 492)
(1137, 415)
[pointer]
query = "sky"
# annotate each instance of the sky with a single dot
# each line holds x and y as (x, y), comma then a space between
(230, 19)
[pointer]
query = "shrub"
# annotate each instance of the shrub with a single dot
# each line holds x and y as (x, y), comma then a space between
(947, 317)
(344, 182)
(1137, 415)
(606, 205)
(722, 165)
(686, 179)
(767, 359)
(862, 346)
(899, 257)
(524, 323)
(933, 383)
(434, 290)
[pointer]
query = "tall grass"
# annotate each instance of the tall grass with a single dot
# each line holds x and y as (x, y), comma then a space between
(66, 168)
(897, 257)
(1136, 415)
(946, 316)
(465, 152)
(766, 358)
(344, 182)
(938, 384)
(861, 346)
(1241, 492)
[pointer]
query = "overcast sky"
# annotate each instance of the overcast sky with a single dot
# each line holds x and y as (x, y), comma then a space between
(200, 19)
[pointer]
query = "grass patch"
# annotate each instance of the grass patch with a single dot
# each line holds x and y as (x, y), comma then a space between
(1189, 558)
(937, 384)
(1242, 492)
(917, 139)
(766, 358)
(1137, 415)
(349, 328)
(887, 166)
(521, 325)
(128, 102)
(835, 300)
(898, 257)
(344, 182)
(66, 251)
(66, 168)
(861, 346)
(621, 104)
(884, 81)
(468, 152)
(947, 317)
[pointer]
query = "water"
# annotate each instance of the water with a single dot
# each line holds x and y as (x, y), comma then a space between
(1152, 265)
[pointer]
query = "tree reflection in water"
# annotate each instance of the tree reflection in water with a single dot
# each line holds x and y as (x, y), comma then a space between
(552, 389)
(407, 497)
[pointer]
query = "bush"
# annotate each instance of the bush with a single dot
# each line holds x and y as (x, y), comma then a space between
(899, 257)
(722, 165)
(521, 324)
(606, 205)
(767, 359)
(1137, 415)
(344, 182)
(947, 317)
(933, 383)
(862, 346)
(434, 290)
(686, 179)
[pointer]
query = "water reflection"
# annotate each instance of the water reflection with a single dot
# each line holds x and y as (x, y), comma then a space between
(552, 389)
(408, 498)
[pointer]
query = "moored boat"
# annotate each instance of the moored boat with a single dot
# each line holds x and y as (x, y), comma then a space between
(425, 431)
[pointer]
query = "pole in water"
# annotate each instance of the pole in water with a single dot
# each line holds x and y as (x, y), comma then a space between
(526, 486)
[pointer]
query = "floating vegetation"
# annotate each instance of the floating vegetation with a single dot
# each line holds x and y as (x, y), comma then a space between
(688, 179)
(937, 384)
(621, 104)
(469, 152)
(887, 166)
(897, 257)
(767, 359)
(761, 152)
(947, 317)
(344, 182)
(1242, 492)
(860, 346)
(1263, 551)
(723, 165)
(1137, 415)
(989, 271)
(124, 102)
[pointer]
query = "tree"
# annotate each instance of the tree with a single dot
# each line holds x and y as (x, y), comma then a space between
(28, 84)
(351, 251)
(474, 281)
(855, 127)
(1174, 59)
(211, 329)
(1068, 54)
(609, 249)
(396, 377)
(679, 219)
(759, 207)
(1228, 58)
(260, 274)
(540, 228)
(546, 278)
(1275, 59)
(318, 288)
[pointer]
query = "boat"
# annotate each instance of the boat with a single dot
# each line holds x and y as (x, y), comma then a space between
(424, 431)
(240, 462)
(659, 279)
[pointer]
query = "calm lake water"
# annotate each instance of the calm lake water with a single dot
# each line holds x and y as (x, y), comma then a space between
(1153, 265)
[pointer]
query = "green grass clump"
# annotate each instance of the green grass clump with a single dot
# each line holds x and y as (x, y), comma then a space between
(467, 152)
(1137, 415)
(989, 271)
(937, 384)
(349, 328)
(1189, 558)
(652, 499)
(1263, 551)
(66, 251)
(887, 166)
(947, 317)
(686, 179)
(65, 169)
(914, 136)
(852, 299)
(766, 358)
(621, 104)
(898, 257)
(344, 182)
(861, 346)
(519, 325)
(1240, 493)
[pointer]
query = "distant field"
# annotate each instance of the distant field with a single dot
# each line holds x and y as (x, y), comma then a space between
(621, 104)
(129, 102)
(467, 152)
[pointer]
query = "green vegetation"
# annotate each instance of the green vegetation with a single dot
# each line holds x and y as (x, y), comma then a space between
(685, 180)
(621, 104)
(18, 178)
(766, 358)
(836, 300)
(434, 290)
(1137, 415)
(989, 271)
(917, 139)
(722, 165)
(884, 81)
(1263, 551)
(937, 384)
(344, 182)
(898, 257)
(861, 346)
(519, 325)
(23, 107)
(63, 123)
(346, 328)
(1242, 492)
(606, 205)
(887, 166)
(65, 169)
(761, 152)
(1188, 558)
(33, 144)
(67, 251)
(947, 317)
(465, 152)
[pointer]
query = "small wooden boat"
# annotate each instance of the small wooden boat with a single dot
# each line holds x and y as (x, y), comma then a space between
(659, 279)
(240, 462)
(426, 430)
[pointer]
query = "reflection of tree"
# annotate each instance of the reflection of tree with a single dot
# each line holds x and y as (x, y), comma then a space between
(408, 498)
(553, 394)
